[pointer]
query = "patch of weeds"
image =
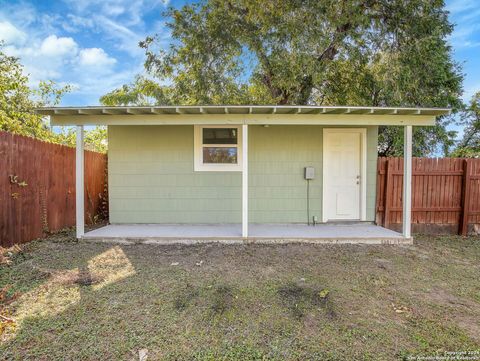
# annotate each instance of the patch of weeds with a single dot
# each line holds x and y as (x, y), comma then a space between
(334, 355)
(476, 297)
(7, 323)
(86, 279)
(69, 277)
(300, 299)
(8, 295)
(377, 280)
(231, 352)
(185, 297)
(66, 235)
(15, 254)
(222, 299)
(432, 334)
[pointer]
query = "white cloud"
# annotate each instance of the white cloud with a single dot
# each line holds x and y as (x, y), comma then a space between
(457, 6)
(91, 44)
(125, 38)
(20, 13)
(115, 10)
(57, 47)
(61, 59)
(132, 11)
(464, 15)
(119, 21)
(95, 57)
(74, 23)
(10, 34)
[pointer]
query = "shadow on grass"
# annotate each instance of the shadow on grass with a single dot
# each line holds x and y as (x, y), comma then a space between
(86, 312)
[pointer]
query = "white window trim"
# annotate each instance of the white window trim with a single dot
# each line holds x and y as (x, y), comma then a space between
(198, 145)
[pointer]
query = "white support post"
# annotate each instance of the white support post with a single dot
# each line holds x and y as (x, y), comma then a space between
(79, 183)
(245, 181)
(407, 181)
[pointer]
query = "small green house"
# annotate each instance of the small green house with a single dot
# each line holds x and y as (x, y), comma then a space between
(242, 165)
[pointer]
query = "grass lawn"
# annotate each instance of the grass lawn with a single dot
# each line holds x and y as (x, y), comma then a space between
(88, 301)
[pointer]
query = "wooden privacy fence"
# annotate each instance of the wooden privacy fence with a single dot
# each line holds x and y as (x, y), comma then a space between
(37, 187)
(445, 194)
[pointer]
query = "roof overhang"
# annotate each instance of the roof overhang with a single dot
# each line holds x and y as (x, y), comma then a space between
(241, 114)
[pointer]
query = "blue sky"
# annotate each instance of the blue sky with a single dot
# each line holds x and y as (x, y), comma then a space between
(92, 44)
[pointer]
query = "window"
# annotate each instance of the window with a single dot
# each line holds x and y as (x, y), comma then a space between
(218, 148)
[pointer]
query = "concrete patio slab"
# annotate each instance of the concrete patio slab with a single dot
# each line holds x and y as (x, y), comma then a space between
(364, 233)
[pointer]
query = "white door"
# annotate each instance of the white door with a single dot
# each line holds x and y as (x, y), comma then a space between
(343, 160)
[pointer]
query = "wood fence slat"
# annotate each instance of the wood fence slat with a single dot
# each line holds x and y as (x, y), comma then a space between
(379, 191)
(387, 195)
(475, 203)
(13, 218)
(465, 198)
(449, 193)
(48, 171)
(433, 173)
(445, 192)
(6, 162)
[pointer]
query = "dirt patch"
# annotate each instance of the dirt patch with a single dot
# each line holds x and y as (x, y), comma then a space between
(218, 298)
(444, 298)
(300, 299)
(470, 325)
(86, 279)
(222, 299)
(459, 310)
(383, 263)
(70, 277)
(185, 297)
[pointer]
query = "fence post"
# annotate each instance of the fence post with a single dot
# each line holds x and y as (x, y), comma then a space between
(463, 229)
(14, 234)
(387, 196)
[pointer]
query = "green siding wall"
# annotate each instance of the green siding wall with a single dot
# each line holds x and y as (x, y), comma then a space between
(151, 177)
(278, 155)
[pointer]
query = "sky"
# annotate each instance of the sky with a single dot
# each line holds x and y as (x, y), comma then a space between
(93, 44)
(90, 44)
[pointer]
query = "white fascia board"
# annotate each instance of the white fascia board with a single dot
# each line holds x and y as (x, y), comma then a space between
(252, 119)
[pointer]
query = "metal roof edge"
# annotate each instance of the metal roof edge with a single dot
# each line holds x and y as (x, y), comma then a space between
(238, 109)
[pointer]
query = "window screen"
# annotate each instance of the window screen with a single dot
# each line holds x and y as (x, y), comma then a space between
(219, 136)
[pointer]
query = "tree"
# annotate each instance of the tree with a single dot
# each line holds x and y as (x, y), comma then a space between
(18, 101)
(94, 140)
(330, 52)
(142, 91)
(469, 146)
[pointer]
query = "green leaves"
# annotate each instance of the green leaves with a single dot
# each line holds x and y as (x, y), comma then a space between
(95, 139)
(142, 91)
(18, 100)
(330, 52)
(469, 146)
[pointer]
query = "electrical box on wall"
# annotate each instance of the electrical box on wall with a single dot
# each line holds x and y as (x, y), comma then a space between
(309, 173)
